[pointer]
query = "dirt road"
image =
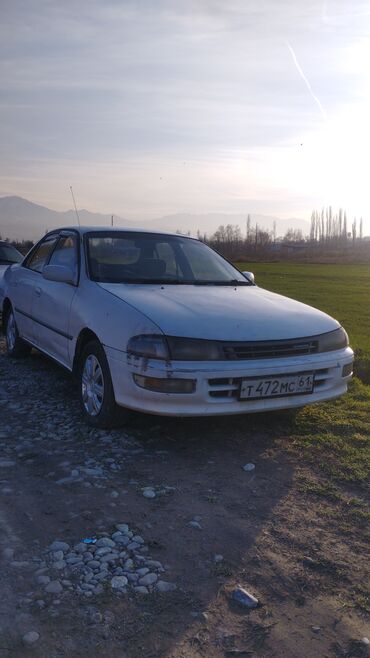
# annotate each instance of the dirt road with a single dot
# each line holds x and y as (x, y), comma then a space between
(195, 520)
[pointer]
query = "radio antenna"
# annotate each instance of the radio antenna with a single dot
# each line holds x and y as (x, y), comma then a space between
(74, 203)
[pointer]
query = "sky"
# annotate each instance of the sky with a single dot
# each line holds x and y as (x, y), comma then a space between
(153, 108)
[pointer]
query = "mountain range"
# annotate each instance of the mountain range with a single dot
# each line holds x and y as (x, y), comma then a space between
(21, 219)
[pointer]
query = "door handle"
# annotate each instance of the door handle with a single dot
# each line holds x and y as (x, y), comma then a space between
(38, 291)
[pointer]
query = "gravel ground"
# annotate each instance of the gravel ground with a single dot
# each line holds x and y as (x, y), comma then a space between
(131, 543)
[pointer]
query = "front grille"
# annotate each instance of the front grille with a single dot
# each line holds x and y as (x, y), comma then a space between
(269, 349)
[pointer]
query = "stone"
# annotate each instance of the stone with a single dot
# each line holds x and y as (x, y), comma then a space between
(54, 587)
(249, 467)
(143, 571)
(244, 598)
(154, 564)
(59, 546)
(149, 493)
(6, 463)
(81, 547)
(43, 580)
(60, 564)
(31, 637)
(93, 564)
(94, 472)
(57, 555)
(118, 582)
(74, 560)
(129, 564)
(149, 579)
(218, 558)
(138, 539)
(163, 586)
(195, 524)
(123, 540)
(109, 557)
(105, 542)
(103, 550)
(122, 527)
(140, 589)
(41, 604)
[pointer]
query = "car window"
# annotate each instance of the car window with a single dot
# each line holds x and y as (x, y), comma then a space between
(65, 253)
(165, 252)
(9, 254)
(40, 256)
(145, 258)
(203, 263)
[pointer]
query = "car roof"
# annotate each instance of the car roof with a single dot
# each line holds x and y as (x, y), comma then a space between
(7, 244)
(114, 229)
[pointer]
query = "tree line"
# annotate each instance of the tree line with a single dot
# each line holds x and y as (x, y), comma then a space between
(329, 231)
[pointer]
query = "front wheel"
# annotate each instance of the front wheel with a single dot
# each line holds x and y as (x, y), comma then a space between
(96, 389)
(15, 346)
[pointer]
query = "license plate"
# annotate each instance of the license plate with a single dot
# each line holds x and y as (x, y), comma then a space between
(271, 387)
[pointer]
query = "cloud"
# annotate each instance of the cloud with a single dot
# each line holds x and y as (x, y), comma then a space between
(114, 92)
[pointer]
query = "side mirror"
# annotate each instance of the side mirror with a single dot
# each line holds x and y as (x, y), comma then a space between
(249, 276)
(59, 273)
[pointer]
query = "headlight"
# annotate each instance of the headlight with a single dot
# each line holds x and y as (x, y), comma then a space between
(193, 349)
(152, 346)
(334, 340)
(155, 346)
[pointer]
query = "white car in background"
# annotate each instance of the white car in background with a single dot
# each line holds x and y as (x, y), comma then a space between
(162, 324)
(8, 256)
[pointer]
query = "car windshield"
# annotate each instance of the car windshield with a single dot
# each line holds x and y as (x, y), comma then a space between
(9, 254)
(115, 257)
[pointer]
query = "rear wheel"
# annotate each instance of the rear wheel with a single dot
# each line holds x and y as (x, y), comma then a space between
(96, 389)
(15, 346)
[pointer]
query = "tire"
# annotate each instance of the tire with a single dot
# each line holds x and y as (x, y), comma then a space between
(16, 348)
(96, 393)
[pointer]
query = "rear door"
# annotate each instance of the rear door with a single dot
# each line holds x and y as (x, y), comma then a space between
(23, 281)
(52, 301)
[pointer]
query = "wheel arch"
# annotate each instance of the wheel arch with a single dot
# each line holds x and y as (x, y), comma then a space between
(7, 305)
(85, 336)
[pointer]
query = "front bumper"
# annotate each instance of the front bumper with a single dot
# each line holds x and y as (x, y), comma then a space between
(217, 383)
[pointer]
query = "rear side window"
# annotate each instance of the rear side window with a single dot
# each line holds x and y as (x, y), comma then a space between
(65, 253)
(40, 256)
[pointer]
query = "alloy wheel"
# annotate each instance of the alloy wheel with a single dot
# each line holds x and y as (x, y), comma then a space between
(11, 332)
(92, 386)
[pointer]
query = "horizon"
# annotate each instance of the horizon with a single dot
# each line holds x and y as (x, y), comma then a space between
(204, 109)
(19, 220)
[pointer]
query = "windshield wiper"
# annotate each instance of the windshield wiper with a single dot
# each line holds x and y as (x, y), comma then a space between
(230, 282)
(163, 282)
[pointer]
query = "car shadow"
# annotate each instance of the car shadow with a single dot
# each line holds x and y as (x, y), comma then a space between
(206, 504)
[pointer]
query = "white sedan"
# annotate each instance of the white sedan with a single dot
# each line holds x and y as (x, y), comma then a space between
(161, 323)
(8, 256)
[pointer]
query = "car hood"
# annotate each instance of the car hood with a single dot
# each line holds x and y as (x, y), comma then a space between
(223, 313)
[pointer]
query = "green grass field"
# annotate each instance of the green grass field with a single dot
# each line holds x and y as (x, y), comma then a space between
(343, 291)
(333, 436)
